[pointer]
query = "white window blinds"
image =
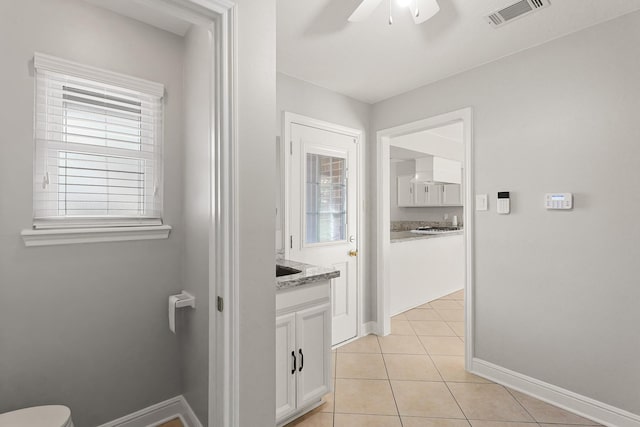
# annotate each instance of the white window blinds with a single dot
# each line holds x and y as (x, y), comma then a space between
(98, 147)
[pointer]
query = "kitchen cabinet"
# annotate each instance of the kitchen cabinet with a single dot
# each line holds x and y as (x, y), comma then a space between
(405, 191)
(451, 195)
(421, 194)
(303, 349)
(427, 194)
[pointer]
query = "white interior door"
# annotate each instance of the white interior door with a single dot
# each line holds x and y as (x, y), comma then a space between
(323, 215)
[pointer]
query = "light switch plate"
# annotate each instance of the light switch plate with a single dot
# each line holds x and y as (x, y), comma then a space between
(482, 202)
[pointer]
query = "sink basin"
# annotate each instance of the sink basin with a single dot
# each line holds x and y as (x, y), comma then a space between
(281, 270)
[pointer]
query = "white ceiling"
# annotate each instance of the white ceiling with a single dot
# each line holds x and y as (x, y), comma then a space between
(140, 11)
(444, 141)
(371, 60)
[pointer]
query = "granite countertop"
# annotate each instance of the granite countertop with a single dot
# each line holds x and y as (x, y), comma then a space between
(309, 274)
(405, 236)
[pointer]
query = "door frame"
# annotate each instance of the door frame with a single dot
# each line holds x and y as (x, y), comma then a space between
(288, 119)
(384, 137)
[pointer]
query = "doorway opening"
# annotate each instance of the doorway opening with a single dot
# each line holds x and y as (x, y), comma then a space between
(426, 186)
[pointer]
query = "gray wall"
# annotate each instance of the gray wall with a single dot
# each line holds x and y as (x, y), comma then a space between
(84, 325)
(256, 103)
(556, 292)
(297, 96)
(194, 330)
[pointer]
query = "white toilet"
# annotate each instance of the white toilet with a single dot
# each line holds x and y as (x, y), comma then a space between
(38, 416)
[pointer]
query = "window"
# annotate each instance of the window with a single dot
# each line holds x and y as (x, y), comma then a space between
(326, 199)
(98, 147)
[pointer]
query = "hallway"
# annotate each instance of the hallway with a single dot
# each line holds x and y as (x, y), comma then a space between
(415, 377)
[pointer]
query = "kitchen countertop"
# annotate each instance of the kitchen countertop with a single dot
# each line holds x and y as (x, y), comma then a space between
(309, 274)
(404, 236)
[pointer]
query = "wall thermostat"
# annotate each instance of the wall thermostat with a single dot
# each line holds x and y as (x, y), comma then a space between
(558, 201)
(503, 204)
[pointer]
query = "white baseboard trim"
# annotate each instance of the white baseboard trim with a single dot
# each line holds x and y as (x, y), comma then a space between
(176, 407)
(368, 328)
(580, 405)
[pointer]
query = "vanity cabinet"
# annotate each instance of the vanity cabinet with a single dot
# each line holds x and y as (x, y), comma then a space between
(303, 349)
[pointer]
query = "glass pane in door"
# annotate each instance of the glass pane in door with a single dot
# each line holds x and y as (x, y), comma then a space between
(326, 199)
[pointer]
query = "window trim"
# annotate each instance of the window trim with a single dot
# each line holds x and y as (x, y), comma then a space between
(56, 231)
(50, 237)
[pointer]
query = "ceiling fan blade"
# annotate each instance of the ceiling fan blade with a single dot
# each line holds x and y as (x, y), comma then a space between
(423, 10)
(363, 11)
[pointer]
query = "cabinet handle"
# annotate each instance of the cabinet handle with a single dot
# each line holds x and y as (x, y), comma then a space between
(301, 360)
(293, 354)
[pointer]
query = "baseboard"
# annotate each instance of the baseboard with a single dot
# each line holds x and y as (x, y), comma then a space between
(176, 407)
(580, 405)
(368, 328)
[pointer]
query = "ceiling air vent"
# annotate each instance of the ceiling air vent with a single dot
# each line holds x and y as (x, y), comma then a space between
(516, 10)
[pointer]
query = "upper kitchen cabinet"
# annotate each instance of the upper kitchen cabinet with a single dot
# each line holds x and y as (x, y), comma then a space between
(451, 195)
(405, 191)
(427, 194)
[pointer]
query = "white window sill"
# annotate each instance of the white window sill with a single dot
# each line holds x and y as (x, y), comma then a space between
(93, 235)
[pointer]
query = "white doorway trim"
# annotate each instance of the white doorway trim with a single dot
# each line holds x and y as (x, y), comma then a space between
(219, 16)
(288, 119)
(384, 217)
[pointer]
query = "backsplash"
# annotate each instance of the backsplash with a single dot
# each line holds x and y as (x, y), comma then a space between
(412, 225)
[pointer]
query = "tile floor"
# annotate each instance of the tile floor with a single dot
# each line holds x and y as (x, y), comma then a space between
(415, 377)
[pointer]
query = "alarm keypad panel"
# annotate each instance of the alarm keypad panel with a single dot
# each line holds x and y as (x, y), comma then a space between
(558, 201)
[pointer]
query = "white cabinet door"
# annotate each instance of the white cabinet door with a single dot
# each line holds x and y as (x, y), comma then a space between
(286, 365)
(405, 191)
(451, 194)
(427, 194)
(313, 337)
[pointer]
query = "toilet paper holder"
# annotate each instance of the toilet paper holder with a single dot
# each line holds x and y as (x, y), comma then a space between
(181, 300)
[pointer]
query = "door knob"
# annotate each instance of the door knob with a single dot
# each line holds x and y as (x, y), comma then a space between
(353, 253)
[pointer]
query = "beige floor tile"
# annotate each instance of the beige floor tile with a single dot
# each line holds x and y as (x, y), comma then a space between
(457, 327)
(352, 420)
(490, 402)
(404, 344)
(373, 397)
(333, 364)
(456, 315)
(565, 425)
(447, 346)
(546, 413)
(400, 316)
(455, 295)
(425, 306)
(459, 295)
(425, 399)
(401, 327)
(368, 344)
(360, 366)
(475, 423)
(422, 314)
(452, 369)
(313, 419)
(432, 422)
(411, 367)
(445, 304)
(435, 328)
(328, 405)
